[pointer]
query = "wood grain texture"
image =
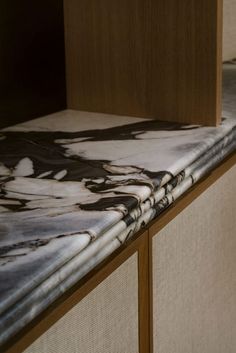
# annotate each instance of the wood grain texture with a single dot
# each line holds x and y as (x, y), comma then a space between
(159, 59)
(144, 300)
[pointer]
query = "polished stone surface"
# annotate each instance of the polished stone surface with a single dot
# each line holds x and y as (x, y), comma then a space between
(76, 185)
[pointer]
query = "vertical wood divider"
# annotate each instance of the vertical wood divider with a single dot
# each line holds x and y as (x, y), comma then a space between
(150, 255)
(144, 296)
(138, 244)
(147, 58)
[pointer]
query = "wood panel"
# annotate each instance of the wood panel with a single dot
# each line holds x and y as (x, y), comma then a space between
(144, 297)
(32, 63)
(159, 59)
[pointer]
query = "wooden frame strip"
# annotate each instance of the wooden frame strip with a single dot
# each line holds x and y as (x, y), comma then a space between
(144, 291)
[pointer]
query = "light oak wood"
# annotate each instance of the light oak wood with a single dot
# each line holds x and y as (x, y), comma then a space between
(159, 59)
(144, 292)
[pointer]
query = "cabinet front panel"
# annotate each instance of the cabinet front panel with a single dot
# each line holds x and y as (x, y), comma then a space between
(194, 275)
(105, 321)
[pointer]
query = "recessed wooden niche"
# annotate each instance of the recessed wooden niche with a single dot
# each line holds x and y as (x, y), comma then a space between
(147, 58)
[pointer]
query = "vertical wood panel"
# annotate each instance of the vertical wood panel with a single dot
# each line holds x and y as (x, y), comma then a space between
(105, 321)
(159, 59)
(145, 336)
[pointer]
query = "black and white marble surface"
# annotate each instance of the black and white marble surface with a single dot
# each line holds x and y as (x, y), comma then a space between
(76, 185)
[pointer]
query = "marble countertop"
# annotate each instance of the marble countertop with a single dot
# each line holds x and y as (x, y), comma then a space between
(76, 185)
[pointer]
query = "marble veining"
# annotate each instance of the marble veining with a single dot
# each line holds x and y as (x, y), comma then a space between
(74, 186)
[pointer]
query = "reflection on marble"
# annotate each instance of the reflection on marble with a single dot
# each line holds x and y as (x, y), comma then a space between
(71, 195)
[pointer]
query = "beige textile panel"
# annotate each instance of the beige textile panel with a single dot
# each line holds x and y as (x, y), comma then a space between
(194, 275)
(229, 25)
(105, 321)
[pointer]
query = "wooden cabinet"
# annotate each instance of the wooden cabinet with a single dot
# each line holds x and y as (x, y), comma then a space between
(173, 287)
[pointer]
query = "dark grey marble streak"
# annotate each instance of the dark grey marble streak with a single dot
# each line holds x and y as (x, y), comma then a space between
(71, 195)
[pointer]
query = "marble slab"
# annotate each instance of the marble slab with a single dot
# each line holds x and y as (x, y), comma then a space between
(60, 281)
(76, 185)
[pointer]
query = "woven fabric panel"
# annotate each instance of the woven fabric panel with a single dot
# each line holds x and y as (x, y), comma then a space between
(229, 32)
(105, 321)
(194, 275)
